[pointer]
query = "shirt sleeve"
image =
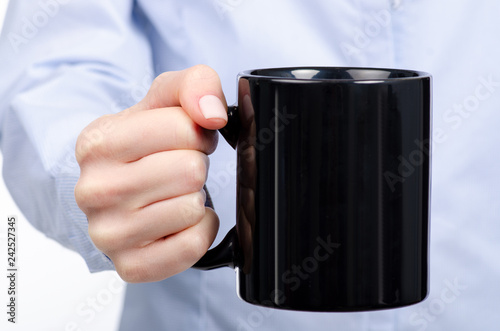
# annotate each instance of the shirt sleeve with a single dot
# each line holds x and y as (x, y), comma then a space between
(63, 63)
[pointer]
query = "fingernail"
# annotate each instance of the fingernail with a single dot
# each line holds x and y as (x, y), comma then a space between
(211, 108)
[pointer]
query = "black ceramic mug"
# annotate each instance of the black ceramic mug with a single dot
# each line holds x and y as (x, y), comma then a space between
(333, 183)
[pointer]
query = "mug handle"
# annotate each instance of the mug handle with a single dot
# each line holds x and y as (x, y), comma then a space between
(226, 253)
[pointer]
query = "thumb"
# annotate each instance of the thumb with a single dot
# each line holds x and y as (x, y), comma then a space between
(197, 90)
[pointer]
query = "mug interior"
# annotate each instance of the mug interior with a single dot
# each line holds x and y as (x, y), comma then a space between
(335, 73)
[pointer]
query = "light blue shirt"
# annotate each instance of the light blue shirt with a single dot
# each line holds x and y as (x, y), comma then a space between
(63, 63)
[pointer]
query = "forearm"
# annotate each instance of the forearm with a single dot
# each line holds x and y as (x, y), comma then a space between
(84, 63)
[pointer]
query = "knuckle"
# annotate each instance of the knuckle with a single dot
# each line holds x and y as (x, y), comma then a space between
(108, 237)
(158, 80)
(94, 194)
(103, 237)
(196, 247)
(196, 170)
(83, 195)
(200, 75)
(203, 72)
(194, 209)
(157, 89)
(86, 144)
(132, 271)
(94, 140)
(192, 134)
(197, 138)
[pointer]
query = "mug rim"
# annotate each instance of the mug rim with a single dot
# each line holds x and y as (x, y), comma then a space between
(272, 73)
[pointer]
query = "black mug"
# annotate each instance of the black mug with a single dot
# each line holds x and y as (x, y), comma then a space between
(333, 188)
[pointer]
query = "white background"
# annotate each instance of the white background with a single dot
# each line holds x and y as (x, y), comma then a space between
(55, 291)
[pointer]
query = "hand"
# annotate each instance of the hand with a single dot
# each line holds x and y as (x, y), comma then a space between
(142, 176)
